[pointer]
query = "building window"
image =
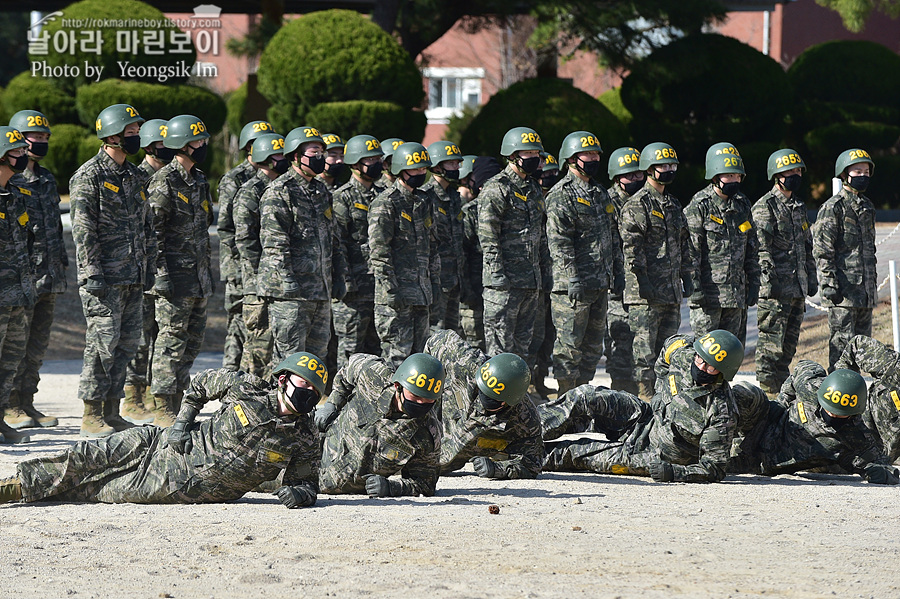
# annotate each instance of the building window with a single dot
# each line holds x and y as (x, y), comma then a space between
(450, 90)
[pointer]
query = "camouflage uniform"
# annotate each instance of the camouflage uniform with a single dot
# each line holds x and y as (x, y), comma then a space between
(230, 262)
(583, 242)
(107, 209)
(691, 426)
(882, 415)
(656, 246)
(298, 243)
(471, 310)
(407, 269)
(257, 352)
(369, 436)
(794, 436)
(787, 276)
(243, 445)
(725, 250)
(354, 316)
(510, 437)
(514, 248)
(844, 249)
(619, 358)
(448, 226)
(182, 214)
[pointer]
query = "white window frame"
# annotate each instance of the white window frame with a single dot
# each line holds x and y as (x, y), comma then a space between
(441, 115)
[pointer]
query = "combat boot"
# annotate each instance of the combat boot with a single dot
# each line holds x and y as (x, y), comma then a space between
(133, 409)
(40, 419)
(111, 416)
(10, 436)
(14, 415)
(645, 390)
(92, 423)
(539, 386)
(10, 489)
(163, 416)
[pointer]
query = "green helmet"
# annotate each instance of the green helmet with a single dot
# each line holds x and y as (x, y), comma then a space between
(468, 163)
(182, 130)
(265, 146)
(505, 377)
(153, 131)
(332, 141)
(29, 121)
(550, 162)
(783, 160)
(299, 136)
(112, 120)
(252, 130)
(579, 141)
(520, 139)
(306, 365)
(623, 161)
(409, 156)
(854, 156)
(422, 375)
(657, 153)
(444, 150)
(722, 350)
(10, 139)
(843, 393)
(723, 158)
(361, 146)
(390, 145)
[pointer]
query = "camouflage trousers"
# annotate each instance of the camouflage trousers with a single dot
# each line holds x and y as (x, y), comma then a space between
(258, 344)
(299, 325)
(509, 319)
(444, 311)
(544, 335)
(580, 327)
(630, 456)
(587, 409)
(182, 323)
(844, 323)
(779, 332)
(236, 331)
(12, 340)
(138, 371)
(651, 325)
(38, 321)
(707, 318)
(354, 326)
(402, 332)
(619, 340)
(114, 326)
(471, 320)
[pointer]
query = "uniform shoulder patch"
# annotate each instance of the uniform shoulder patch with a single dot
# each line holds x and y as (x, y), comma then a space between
(360, 206)
(184, 198)
(583, 201)
(895, 399)
(801, 411)
(241, 416)
(716, 219)
(745, 226)
(673, 386)
(24, 191)
(658, 214)
(111, 187)
(671, 349)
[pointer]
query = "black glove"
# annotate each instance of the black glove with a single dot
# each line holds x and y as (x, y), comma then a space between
(752, 295)
(485, 467)
(96, 286)
(290, 287)
(180, 431)
(812, 284)
(149, 281)
(775, 288)
(879, 474)
(697, 298)
(378, 486)
(618, 285)
(325, 415)
(392, 300)
(644, 290)
(163, 286)
(294, 497)
(576, 292)
(661, 472)
(832, 295)
(339, 289)
(687, 285)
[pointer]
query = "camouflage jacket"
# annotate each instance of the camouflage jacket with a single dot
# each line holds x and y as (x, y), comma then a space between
(882, 415)
(582, 235)
(107, 211)
(447, 213)
(369, 436)
(844, 249)
(511, 231)
(351, 219)
(147, 171)
(229, 185)
(404, 259)
(724, 249)
(656, 246)
(511, 437)
(330, 187)
(472, 248)
(48, 251)
(785, 246)
(247, 224)
(298, 239)
(16, 277)
(182, 215)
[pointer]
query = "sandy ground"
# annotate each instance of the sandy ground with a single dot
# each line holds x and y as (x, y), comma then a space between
(562, 535)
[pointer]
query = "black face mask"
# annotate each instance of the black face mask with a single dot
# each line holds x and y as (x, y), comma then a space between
(860, 183)
(198, 155)
(281, 165)
(164, 154)
(489, 403)
(632, 187)
(832, 421)
(450, 174)
(18, 163)
(39, 148)
(590, 169)
(303, 399)
(335, 170)
(414, 409)
(729, 189)
(665, 177)
(372, 171)
(548, 181)
(415, 181)
(791, 183)
(131, 144)
(703, 378)
(529, 165)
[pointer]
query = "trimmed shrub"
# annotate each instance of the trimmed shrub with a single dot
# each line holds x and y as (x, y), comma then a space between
(612, 99)
(381, 119)
(235, 104)
(25, 92)
(63, 159)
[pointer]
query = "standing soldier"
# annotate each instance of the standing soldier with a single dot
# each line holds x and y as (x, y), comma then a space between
(267, 151)
(627, 178)
(229, 260)
(404, 259)
(334, 161)
(389, 146)
(844, 249)
(49, 262)
(656, 247)
(354, 316)
(723, 246)
(586, 264)
(787, 269)
(182, 214)
(297, 237)
(514, 246)
(446, 160)
(107, 208)
(544, 332)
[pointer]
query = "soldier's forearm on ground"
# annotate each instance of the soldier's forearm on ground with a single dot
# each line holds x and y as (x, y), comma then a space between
(526, 464)
(210, 385)
(706, 471)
